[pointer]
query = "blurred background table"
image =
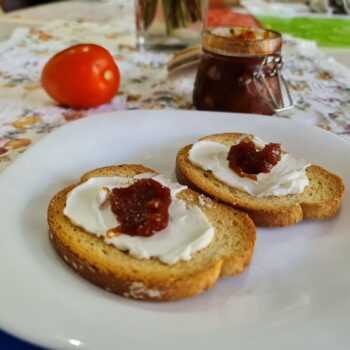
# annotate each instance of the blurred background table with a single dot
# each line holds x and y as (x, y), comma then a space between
(325, 103)
(104, 11)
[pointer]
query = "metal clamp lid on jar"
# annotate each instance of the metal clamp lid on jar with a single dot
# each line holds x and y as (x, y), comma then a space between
(243, 42)
(260, 76)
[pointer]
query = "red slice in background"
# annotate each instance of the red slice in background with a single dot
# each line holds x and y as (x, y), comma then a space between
(226, 17)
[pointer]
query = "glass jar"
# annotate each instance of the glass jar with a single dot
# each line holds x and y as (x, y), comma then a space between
(168, 24)
(239, 71)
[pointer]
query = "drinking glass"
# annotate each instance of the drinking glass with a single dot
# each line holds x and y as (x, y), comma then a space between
(169, 24)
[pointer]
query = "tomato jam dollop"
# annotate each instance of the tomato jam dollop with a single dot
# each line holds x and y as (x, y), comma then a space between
(245, 160)
(142, 208)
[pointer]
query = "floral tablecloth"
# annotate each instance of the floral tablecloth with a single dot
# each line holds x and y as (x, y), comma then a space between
(320, 86)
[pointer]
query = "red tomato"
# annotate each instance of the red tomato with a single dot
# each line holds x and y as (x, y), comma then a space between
(82, 76)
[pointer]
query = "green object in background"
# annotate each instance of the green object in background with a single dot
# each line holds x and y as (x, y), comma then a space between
(328, 32)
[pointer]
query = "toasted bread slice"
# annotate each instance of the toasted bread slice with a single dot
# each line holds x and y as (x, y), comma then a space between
(320, 200)
(228, 254)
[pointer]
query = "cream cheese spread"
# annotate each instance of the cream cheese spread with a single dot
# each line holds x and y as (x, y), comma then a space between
(288, 176)
(188, 230)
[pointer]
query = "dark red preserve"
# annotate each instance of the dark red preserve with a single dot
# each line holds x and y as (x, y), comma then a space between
(142, 208)
(240, 72)
(247, 161)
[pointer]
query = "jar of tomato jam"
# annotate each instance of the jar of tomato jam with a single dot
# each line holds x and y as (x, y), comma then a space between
(240, 71)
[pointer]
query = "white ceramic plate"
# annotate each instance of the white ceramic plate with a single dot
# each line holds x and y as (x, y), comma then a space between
(295, 294)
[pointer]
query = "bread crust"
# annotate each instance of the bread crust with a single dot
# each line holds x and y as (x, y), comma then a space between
(320, 200)
(148, 280)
